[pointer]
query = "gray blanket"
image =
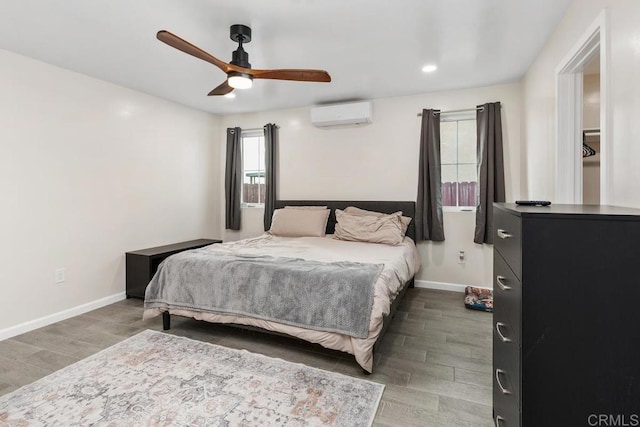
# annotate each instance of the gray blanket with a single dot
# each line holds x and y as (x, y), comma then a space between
(333, 297)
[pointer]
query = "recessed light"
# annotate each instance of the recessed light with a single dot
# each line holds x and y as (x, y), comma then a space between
(230, 95)
(429, 68)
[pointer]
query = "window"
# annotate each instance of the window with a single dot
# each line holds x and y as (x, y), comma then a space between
(459, 165)
(253, 168)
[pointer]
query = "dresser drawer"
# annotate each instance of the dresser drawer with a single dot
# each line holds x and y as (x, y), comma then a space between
(508, 239)
(507, 295)
(506, 382)
(506, 412)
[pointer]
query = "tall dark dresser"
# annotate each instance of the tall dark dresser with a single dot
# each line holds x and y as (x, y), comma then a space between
(566, 336)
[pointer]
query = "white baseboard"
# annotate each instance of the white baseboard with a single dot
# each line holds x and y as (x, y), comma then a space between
(441, 286)
(31, 325)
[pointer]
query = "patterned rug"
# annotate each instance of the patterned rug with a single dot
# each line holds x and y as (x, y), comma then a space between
(157, 379)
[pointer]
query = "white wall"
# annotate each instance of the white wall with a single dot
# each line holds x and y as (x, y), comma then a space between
(380, 162)
(624, 99)
(88, 171)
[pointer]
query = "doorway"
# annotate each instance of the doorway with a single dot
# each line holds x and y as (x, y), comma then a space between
(589, 53)
(591, 132)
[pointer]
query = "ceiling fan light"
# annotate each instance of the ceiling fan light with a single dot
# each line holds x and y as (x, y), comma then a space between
(240, 80)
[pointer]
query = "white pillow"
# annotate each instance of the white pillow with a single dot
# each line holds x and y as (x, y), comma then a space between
(352, 210)
(299, 222)
(385, 229)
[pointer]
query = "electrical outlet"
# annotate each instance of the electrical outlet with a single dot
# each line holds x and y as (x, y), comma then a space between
(461, 257)
(60, 275)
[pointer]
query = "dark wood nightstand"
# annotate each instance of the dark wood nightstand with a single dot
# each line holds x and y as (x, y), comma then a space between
(141, 265)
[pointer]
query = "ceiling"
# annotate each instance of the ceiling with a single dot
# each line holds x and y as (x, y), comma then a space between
(371, 48)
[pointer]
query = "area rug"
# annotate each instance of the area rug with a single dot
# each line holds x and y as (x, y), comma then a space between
(157, 379)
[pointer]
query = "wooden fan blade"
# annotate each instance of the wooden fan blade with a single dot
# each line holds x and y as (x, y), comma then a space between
(297, 75)
(222, 89)
(186, 47)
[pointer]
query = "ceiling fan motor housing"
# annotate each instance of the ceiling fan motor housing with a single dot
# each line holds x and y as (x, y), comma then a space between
(240, 34)
(240, 58)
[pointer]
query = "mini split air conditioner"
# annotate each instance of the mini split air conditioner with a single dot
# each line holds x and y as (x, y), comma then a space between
(342, 114)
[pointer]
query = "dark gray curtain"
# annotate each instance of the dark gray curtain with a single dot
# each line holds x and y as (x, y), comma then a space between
(429, 205)
(233, 179)
(270, 152)
(490, 169)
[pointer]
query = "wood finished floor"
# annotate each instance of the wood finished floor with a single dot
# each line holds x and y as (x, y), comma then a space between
(435, 359)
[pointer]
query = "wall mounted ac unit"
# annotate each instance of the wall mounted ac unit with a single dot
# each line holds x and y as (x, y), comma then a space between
(342, 114)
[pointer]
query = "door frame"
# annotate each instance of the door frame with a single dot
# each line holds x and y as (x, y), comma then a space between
(569, 108)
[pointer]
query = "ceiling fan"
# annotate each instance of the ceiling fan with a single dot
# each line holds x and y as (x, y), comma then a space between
(240, 75)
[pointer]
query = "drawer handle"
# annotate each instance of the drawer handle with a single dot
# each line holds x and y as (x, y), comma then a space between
(502, 389)
(503, 234)
(500, 280)
(502, 337)
(499, 419)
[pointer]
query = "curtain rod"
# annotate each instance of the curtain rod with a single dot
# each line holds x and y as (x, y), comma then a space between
(254, 129)
(464, 110)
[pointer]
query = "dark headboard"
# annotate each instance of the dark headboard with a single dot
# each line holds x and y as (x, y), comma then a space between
(407, 208)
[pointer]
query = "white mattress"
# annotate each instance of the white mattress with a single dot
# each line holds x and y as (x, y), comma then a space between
(400, 264)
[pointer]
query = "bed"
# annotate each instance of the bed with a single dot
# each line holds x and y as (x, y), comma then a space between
(389, 270)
